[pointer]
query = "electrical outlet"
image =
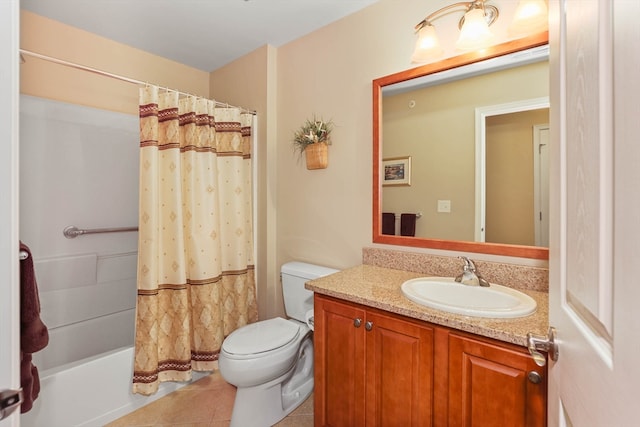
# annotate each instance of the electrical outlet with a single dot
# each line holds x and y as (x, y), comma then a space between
(444, 206)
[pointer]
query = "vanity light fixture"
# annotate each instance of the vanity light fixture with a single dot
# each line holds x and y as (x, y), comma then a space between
(530, 17)
(474, 29)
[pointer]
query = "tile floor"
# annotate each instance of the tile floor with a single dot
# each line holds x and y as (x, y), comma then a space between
(205, 403)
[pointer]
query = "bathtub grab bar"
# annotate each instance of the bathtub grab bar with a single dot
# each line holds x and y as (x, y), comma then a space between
(71, 232)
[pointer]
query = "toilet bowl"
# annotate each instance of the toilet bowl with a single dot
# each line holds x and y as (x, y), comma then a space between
(271, 361)
(248, 358)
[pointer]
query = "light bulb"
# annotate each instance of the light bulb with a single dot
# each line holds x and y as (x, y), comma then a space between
(475, 33)
(427, 45)
(530, 17)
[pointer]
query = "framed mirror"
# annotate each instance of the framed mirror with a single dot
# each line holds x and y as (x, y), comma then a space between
(447, 200)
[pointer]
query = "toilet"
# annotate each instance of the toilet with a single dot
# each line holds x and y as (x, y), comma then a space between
(271, 361)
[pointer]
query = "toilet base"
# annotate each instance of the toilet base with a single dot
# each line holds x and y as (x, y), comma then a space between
(266, 404)
(265, 407)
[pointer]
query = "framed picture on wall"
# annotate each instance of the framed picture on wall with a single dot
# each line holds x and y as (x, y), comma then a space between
(397, 171)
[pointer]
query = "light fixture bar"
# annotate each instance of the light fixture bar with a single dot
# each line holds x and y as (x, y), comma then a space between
(491, 13)
(473, 34)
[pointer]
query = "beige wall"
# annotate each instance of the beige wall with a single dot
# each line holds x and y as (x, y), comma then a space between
(438, 131)
(325, 216)
(321, 216)
(49, 80)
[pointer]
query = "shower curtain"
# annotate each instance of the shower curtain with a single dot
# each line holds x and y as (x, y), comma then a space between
(195, 253)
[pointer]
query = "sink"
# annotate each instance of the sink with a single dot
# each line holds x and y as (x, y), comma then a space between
(444, 293)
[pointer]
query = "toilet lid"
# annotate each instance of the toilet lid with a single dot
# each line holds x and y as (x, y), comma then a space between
(262, 336)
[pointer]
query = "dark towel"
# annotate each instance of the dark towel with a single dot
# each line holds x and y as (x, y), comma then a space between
(407, 224)
(29, 381)
(34, 335)
(388, 223)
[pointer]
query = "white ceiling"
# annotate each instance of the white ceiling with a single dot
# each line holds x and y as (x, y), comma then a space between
(204, 34)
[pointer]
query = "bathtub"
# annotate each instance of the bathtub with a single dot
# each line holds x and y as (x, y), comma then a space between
(91, 392)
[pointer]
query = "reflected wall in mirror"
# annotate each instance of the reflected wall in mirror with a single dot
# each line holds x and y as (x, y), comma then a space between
(462, 177)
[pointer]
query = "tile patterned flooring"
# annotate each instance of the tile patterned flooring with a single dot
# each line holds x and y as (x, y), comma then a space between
(207, 402)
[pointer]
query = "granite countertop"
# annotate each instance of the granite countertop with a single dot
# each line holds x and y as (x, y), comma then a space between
(380, 288)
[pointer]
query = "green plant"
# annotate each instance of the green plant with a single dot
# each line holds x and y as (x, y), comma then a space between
(315, 130)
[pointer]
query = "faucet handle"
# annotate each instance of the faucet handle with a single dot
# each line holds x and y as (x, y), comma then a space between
(470, 276)
(468, 264)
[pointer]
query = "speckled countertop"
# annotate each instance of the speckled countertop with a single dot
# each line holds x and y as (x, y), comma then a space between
(380, 288)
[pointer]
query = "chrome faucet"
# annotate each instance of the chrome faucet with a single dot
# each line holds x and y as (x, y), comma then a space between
(470, 276)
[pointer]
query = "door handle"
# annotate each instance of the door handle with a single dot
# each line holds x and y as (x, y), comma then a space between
(537, 343)
(10, 400)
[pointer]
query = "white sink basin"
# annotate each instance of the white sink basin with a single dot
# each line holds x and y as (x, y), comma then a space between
(444, 293)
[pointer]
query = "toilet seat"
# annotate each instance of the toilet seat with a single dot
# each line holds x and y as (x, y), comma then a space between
(260, 337)
(276, 356)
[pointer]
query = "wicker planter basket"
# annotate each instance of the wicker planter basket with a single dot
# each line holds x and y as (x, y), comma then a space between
(317, 155)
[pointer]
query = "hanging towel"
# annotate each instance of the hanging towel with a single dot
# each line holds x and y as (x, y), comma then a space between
(388, 223)
(408, 224)
(29, 381)
(34, 335)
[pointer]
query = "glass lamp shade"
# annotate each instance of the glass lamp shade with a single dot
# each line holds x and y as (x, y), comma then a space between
(531, 17)
(427, 45)
(475, 33)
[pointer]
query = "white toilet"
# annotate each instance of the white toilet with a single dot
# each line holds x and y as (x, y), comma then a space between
(271, 361)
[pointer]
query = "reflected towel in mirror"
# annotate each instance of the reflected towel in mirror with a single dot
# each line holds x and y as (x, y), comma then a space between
(388, 223)
(408, 224)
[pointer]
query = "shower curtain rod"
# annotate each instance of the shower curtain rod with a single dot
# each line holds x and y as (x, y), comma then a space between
(114, 76)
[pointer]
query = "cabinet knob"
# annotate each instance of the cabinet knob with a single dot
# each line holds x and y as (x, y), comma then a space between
(369, 325)
(357, 322)
(534, 377)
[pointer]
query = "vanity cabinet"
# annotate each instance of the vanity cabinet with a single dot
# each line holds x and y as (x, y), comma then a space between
(493, 384)
(372, 368)
(375, 368)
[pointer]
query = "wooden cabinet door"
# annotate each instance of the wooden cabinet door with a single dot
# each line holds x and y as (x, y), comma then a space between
(399, 377)
(489, 385)
(339, 363)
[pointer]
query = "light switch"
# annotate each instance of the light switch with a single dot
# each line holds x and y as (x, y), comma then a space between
(444, 206)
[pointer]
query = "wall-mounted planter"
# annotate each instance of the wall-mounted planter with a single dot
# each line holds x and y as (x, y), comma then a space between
(313, 137)
(317, 155)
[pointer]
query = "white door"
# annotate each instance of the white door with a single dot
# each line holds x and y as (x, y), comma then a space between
(541, 184)
(9, 267)
(595, 221)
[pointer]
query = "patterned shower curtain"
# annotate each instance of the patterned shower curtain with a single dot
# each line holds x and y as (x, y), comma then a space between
(195, 253)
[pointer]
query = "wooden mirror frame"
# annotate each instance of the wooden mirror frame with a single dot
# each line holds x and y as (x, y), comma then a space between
(446, 64)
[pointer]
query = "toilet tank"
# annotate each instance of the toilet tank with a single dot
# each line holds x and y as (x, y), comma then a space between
(297, 299)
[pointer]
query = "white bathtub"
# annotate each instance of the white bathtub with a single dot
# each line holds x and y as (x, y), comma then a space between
(90, 392)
